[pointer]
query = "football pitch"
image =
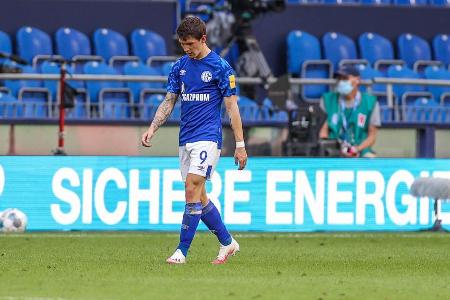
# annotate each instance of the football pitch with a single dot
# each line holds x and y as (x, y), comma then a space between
(44, 266)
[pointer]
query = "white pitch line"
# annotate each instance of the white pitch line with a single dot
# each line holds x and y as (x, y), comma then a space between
(239, 235)
(29, 298)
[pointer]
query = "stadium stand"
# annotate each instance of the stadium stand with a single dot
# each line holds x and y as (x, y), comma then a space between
(146, 43)
(439, 92)
(35, 98)
(81, 105)
(113, 47)
(421, 110)
(411, 2)
(142, 90)
(112, 98)
(441, 48)
(377, 50)
(75, 45)
(307, 57)
(415, 51)
(304, 60)
(10, 107)
(340, 49)
(34, 45)
(5, 43)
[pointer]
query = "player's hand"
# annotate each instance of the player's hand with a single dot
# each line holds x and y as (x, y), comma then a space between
(352, 152)
(240, 156)
(146, 137)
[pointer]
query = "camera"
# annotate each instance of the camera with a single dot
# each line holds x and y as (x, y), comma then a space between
(246, 10)
(348, 150)
(5, 68)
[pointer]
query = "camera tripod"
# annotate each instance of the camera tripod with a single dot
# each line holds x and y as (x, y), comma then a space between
(251, 61)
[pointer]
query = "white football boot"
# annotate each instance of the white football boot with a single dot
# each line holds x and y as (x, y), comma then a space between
(177, 258)
(225, 252)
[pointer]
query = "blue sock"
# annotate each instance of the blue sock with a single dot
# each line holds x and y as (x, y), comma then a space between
(191, 217)
(211, 218)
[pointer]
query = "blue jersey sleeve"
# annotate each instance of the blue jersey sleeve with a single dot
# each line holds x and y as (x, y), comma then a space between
(173, 82)
(227, 80)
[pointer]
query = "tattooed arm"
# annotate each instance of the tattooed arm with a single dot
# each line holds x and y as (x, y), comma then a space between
(163, 112)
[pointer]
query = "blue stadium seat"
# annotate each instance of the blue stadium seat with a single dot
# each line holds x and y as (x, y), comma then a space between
(81, 109)
(378, 90)
(71, 42)
(249, 109)
(142, 89)
(113, 47)
(113, 99)
(16, 85)
(440, 2)
(304, 1)
(5, 43)
(376, 2)
(9, 107)
(422, 110)
(340, 49)
(405, 93)
(415, 51)
(441, 48)
(369, 73)
(377, 50)
(439, 92)
(50, 67)
(149, 106)
(411, 2)
(203, 11)
(74, 45)
(35, 98)
(34, 45)
(166, 68)
(404, 72)
(271, 114)
(146, 43)
(304, 60)
(340, 1)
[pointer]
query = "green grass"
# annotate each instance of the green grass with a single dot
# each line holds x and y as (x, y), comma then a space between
(269, 266)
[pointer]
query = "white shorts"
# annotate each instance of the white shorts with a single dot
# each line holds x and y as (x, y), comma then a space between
(199, 158)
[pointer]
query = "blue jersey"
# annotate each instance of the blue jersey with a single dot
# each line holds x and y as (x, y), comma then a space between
(201, 84)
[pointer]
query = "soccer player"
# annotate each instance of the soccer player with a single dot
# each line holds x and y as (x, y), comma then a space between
(204, 80)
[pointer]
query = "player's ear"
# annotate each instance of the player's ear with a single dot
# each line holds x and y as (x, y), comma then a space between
(203, 39)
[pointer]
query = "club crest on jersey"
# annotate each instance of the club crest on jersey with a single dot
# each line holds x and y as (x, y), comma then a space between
(206, 76)
(182, 72)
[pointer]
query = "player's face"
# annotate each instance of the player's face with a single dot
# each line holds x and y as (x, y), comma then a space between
(193, 47)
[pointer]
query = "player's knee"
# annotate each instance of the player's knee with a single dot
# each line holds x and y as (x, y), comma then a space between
(193, 188)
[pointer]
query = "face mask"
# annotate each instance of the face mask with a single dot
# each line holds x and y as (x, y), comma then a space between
(344, 87)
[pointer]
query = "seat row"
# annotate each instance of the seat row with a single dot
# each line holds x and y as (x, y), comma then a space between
(307, 57)
(113, 108)
(371, 48)
(109, 46)
(441, 3)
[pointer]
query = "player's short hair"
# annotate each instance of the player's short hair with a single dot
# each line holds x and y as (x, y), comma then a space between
(191, 26)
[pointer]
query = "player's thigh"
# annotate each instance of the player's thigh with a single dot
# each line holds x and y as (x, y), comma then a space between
(204, 156)
(185, 162)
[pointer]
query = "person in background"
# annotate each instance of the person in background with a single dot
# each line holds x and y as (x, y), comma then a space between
(353, 116)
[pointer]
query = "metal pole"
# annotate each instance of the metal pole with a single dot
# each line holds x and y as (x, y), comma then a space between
(12, 140)
(437, 226)
(62, 83)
